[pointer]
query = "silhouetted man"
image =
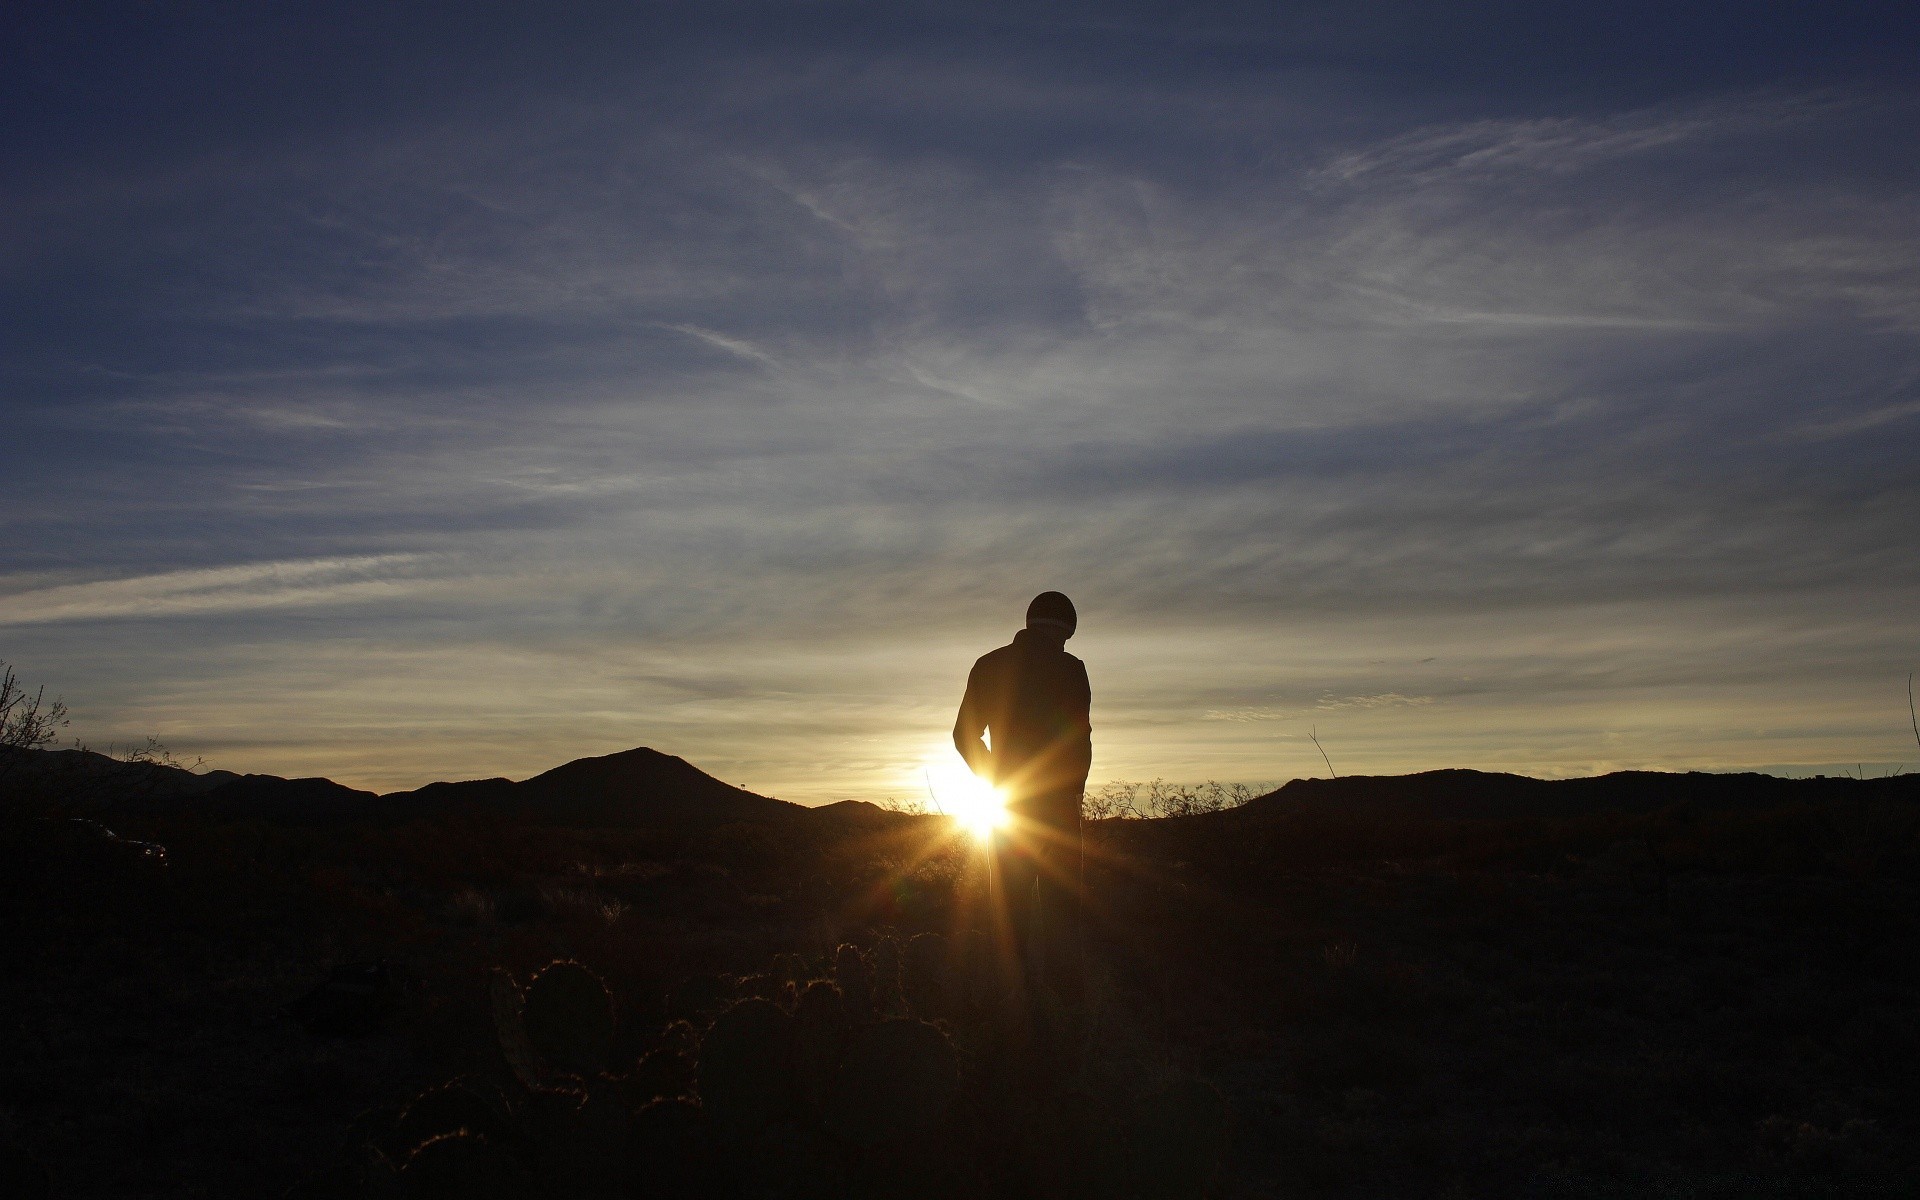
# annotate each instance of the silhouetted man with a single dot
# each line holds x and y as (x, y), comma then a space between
(1032, 701)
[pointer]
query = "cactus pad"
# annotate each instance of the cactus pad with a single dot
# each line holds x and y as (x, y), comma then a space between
(456, 1166)
(746, 1071)
(887, 999)
(855, 979)
(569, 1018)
(454, 1107)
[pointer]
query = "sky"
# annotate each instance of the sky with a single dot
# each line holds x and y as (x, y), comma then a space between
(399, 393)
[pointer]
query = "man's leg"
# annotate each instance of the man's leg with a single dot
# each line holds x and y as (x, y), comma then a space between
(1015, 877)
(1060, 900)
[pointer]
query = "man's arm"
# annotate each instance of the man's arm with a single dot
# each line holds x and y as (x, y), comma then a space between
(970, 725)
(1082, 750)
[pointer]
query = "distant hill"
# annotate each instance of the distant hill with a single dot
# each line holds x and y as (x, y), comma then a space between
(634, 787)
(1482, 795)
(88, 774)
(639, 787)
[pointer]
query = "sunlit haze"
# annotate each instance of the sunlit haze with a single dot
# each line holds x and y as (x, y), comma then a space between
(725, 379)
(958, 793)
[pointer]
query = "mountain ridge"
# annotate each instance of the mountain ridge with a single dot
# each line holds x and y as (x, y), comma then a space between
(647, 787)
(1457, 793)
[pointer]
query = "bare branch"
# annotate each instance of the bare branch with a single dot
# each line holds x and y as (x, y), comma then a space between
(1910, 715)
(1313, 735)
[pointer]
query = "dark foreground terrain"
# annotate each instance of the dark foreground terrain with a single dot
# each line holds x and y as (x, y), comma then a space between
(1440, 985)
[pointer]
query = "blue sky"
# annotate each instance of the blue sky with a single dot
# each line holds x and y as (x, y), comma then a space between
(452, 392)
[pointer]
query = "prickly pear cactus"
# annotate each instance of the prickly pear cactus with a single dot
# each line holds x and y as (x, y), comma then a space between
(698, 998)
(569, 1018)
(855, 979)
(460, 1105)
(456, 1166)
(765, 987)
(665, 1071)
(822, 1006)
(887, 1000)
(509, 1023)
(746, 1070)
(898, 1079)
(821, 1028)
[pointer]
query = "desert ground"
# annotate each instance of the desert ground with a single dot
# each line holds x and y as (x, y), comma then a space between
(624, 978)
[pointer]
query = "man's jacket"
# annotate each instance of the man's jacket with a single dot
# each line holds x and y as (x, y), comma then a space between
(1032, 699)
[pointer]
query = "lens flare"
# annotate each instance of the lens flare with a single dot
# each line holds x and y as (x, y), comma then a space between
(970, 800)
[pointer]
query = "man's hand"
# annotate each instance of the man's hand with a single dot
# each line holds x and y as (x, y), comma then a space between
(986, 766)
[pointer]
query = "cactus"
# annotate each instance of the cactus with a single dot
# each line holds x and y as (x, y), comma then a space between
(763, 987)
(456, 1166)
(898, 1079)
(665, 1071)
(569, 1018)
(887, 1000)
(855, 979)
(460, 1105)
(698, 997)
(746, 1071)
(822, 1006)
(820, 1020)
(509, 1023)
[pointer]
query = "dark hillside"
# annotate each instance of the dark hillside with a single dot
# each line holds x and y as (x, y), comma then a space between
(1449, 984)
(639, 787)
(1481, 795)
(84, 775)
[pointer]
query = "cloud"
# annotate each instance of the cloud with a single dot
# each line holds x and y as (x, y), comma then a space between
(1383, 700)
(216, 590)
(1566, 145)
(803, 382)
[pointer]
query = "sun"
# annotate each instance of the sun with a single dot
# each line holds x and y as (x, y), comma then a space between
(970, 800)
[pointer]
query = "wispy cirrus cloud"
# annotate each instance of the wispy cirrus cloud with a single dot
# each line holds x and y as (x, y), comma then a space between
(232, 589)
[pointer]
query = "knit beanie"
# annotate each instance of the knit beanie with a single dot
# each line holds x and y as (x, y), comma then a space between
(1052, 610)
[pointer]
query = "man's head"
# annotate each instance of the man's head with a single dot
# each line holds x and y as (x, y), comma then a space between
(1052, 613)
